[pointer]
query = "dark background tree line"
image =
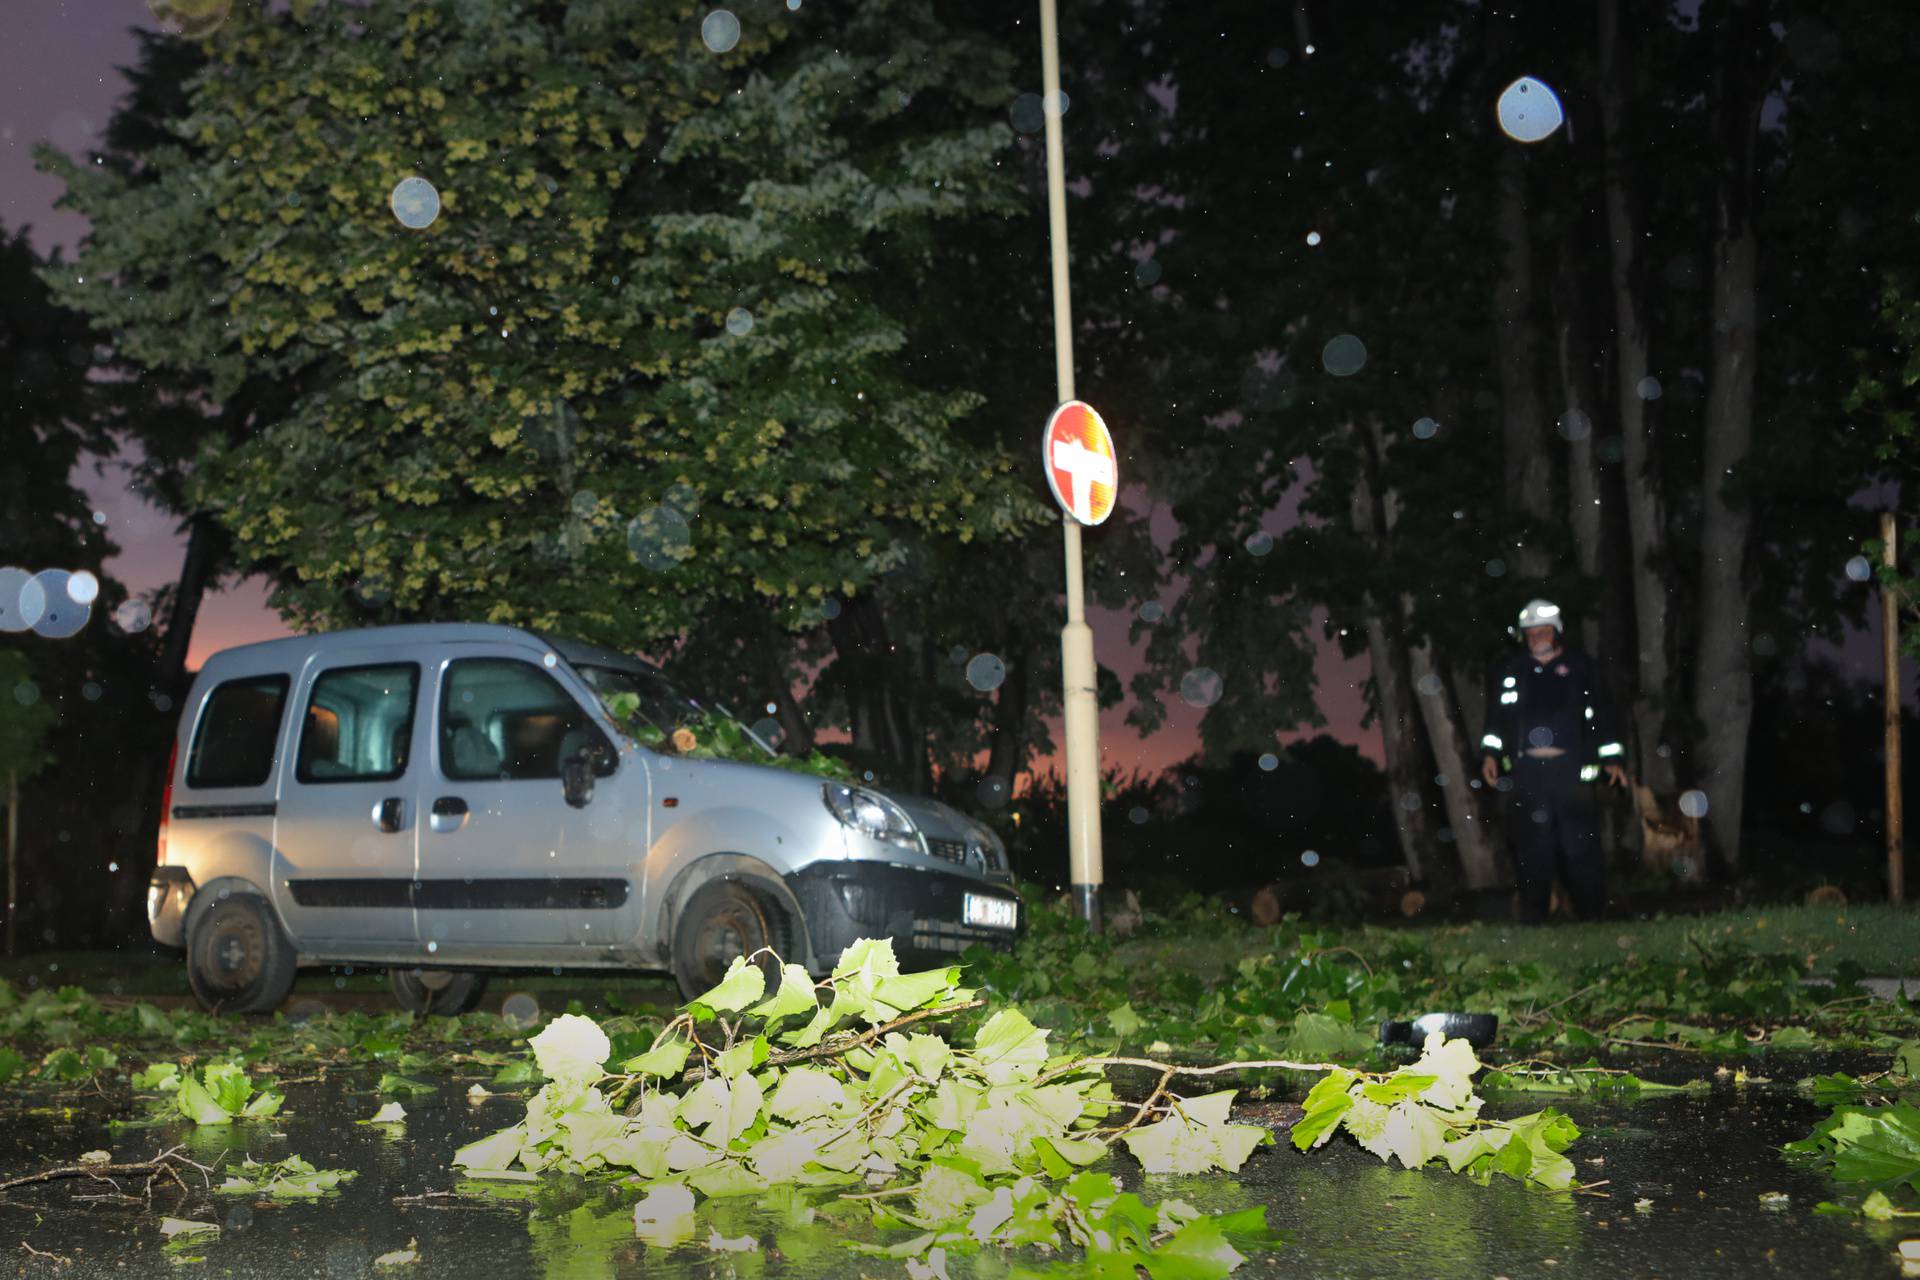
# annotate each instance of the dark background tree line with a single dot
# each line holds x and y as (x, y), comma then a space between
(1612, 367)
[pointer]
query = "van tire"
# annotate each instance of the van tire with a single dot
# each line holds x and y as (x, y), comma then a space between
(436, 991)
(723, 920)
(238, 960)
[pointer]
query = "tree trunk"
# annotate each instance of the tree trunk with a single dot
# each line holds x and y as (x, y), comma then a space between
(1393, 696)
(1528, 473)
(1723, 688)
(1581, 409)
(795, 729)
(1646, 514)
(1008, 750)
(1459, 765)
(206, 548)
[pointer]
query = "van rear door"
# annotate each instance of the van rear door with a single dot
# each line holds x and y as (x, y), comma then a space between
(345, 838)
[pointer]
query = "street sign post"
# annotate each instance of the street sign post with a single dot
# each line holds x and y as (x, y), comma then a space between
(1082, 470)
(1084, 477)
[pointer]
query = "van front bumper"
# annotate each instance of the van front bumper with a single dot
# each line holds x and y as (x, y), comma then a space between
(920, 910)
(168, 894)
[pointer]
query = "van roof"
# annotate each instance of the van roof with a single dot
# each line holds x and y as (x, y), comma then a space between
(289, 653)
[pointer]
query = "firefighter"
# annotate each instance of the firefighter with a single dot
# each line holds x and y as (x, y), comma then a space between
(1552, 734)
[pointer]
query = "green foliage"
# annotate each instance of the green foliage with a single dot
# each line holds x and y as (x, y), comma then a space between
(970, 1140)
(1428, 1110)
(1875, 1147)
(545, 376)
(28, 721)
(224, 1094)
(712, 735)
(293, 1178)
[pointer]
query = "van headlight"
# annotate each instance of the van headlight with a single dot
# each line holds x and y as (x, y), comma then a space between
(873, 815)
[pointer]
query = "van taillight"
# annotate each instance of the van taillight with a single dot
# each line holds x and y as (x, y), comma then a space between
(166, 806)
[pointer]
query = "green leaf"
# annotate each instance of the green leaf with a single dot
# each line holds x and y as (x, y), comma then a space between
(667, 1059)
(743, 1057)
(664, 1216)
(390, 1113)
(571, 1049)
(496, 1151)
(199, 1106)
(743, 984)
(1197, 1251)
(797, 995)
(1124, 1021)
(1009, 1048)
(392, 1083)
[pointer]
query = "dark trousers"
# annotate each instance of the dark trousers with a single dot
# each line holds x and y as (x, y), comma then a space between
(1552, 828)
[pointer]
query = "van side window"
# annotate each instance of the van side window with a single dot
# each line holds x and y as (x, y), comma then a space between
(502, 718)
(233, 744)
(359, 724)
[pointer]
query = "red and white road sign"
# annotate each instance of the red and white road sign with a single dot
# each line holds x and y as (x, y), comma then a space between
(1082, 470)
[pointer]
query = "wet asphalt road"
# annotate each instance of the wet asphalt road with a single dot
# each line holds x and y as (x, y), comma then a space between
(1702, 1161)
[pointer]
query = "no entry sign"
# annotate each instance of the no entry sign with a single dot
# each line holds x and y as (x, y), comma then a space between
(1077, 453)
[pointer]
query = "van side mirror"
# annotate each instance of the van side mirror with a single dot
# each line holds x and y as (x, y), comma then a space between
(576, 778)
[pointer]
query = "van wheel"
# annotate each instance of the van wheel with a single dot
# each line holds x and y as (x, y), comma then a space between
(436, 990)
(238, 961)
(723, 920)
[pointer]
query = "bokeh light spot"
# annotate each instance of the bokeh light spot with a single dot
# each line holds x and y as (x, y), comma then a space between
(415, 203)
(720, 31)
(1344, 356)
(1529, 111)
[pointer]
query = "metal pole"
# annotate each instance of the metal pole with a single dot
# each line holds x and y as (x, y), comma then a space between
(1079, 673)
(1890, 651)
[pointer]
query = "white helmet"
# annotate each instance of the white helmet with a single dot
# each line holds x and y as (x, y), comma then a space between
(1541, 613)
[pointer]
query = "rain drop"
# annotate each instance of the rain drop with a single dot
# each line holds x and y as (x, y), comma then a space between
(720, 30)
(992, 792)
(1649, 388)
(83, 587)
(133, 616)
(1269, 762)
(1313, 238)
(1496, 568)
(1201, 687)
(1859, 570)
(1529, 111)
(986, 672)
(1309, 859)
(1147, 274)
(1693, 803)
(739, 322)
(1425, 429)
(1575, 425)
(829, 608)
(1259, 542)
(1430, 685)
(659, 538)
(1344, 356)
(958, 655)
(1152, 611)
(415, 203)
(1138, 815)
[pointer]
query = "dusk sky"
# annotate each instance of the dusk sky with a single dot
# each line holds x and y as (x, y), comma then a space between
(59, 81)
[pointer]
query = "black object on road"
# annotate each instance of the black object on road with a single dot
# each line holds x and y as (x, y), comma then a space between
(1477, 1029)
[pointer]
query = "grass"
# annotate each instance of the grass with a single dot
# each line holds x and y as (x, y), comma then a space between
(1883, 940)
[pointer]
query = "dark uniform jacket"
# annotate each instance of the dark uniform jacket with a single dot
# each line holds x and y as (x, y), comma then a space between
(1557, 704)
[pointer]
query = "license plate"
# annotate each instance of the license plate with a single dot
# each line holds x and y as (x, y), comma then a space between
(994, 913)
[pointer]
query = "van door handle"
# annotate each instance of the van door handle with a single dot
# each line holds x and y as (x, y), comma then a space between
(390, 813)
(448, 814)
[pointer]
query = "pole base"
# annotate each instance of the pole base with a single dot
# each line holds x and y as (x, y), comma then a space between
(1086, 902)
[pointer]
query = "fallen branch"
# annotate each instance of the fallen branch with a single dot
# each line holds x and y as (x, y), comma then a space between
(167, 1162)
(60, 1258)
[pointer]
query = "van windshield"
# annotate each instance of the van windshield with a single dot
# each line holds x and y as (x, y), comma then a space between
(663, 704)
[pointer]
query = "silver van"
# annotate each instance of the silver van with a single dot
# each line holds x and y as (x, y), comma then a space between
(447, 799)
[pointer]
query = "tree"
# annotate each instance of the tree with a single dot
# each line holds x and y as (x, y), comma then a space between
(23, 753)
(635, 342)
